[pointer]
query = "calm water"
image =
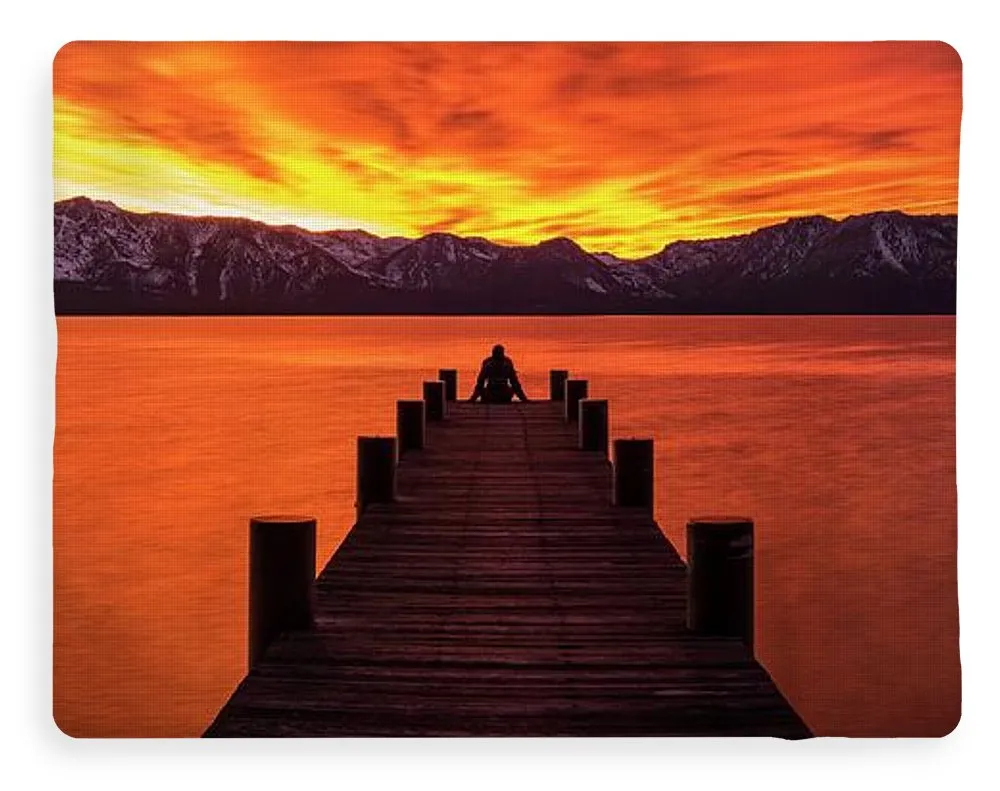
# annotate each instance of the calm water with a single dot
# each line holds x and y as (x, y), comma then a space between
(836, 434)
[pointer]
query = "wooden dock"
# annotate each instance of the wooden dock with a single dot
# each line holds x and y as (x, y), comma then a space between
(501, 594)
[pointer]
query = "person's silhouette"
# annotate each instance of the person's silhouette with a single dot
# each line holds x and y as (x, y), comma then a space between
(497, 382)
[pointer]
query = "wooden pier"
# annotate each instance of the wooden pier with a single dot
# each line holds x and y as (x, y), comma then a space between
(501, 593)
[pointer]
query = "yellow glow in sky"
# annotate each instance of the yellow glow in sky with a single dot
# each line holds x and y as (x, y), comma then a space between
(622, 147)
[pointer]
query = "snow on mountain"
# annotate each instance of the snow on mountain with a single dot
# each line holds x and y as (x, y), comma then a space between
(552, 266)
(640, 280)
(886, 261)
(762, 255)
(355, 249)
(608, 259)
(437, 262)
(110, 260)
(176, 259)
(887, 244)
(472, 274)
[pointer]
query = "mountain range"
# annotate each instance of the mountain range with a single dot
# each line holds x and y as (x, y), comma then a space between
(111, 261)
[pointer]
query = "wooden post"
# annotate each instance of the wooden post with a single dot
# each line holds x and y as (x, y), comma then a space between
(633, 462)
(410, 425)
(450, 378)
(376, 471)
(594, 425)
(282, 571)
(720, 576)
(576, 391)
(557, 385)
(434, 398)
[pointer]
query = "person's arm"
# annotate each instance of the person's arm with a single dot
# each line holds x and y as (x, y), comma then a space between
(514, 381)
(480, 383)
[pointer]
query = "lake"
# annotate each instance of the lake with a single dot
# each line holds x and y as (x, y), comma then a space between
(836, 434)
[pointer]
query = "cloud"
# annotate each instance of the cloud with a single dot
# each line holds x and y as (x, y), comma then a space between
(481, 126)
(457, 219)
(752, 196)
(361, 98)
(862, 141)
(509, 139)
(131, 92)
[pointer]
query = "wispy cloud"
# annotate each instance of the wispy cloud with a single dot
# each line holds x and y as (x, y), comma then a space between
(619, 146)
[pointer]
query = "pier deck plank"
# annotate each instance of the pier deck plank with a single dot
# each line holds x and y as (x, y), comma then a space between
(502, 595)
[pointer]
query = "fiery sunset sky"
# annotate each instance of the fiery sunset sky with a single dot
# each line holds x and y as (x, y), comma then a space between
(622, 147)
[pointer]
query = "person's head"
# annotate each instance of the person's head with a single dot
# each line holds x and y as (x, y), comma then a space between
(498, 352)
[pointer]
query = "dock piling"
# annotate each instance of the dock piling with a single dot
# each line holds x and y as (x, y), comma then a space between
(633, 478)
(376, 471)
(576, 391)
(410, 425)
(450, 378)
(557, 385)
(434, 397)
(594, 425)
(720, 576)
(282, 571)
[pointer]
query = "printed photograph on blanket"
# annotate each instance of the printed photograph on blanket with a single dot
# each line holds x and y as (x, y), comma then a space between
(505, 389)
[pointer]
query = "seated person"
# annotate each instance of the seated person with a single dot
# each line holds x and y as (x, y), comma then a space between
(497, 381)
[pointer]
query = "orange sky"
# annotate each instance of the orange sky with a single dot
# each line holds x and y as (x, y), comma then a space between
(620, 147)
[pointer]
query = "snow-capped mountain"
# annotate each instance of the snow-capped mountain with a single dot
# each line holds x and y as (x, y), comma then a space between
(883, 262)
(355, 249)
(437, 262)
(107, 257)
(445, 266)
(113, 261)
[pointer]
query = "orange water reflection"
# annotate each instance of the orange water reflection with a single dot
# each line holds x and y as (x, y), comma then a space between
(835, 434)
